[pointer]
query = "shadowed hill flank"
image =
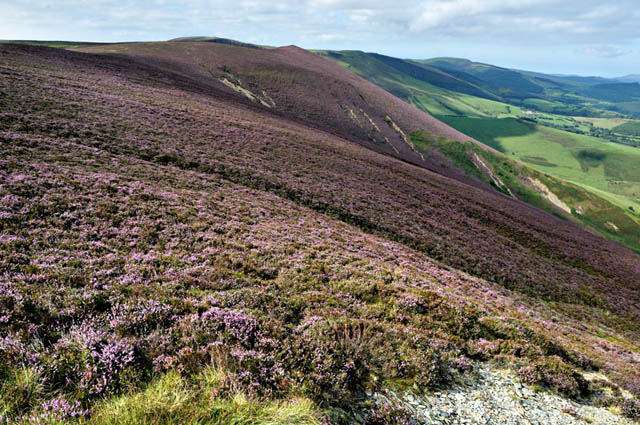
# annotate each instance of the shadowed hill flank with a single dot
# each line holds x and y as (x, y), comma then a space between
(303, 86)
(154, 224)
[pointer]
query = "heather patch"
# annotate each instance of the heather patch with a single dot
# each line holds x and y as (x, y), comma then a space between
(631, 408)
(554, 373)
(388, 414)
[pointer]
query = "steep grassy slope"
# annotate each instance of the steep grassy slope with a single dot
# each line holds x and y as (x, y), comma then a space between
(453, 91)
(505, 83)
(428, 88)
(450, 86)
(153, 224)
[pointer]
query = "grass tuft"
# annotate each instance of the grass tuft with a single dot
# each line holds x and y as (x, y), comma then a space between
(172, 399)
(20, 392)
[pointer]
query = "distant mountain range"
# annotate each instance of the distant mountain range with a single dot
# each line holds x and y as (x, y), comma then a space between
(631, 78)
(566, 95)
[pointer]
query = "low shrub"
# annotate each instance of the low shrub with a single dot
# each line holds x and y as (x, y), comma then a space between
(483, 349)
(388, 414)
(57, 411)
(333, 360)
(90, 361)
(430, 367)
(631, 408)
(554, 373)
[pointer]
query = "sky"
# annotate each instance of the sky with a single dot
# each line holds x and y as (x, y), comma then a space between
(582, 37)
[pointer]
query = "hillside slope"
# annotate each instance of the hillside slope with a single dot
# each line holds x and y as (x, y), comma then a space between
(386, 222)
(154, 224)
(302, 86)
(590, 181)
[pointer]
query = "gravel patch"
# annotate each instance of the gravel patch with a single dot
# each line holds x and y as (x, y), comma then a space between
(496, 397)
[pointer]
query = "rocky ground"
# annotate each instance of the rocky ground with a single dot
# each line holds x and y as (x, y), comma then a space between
(496, 397)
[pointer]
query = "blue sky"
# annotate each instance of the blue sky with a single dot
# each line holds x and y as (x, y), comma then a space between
(585, 37)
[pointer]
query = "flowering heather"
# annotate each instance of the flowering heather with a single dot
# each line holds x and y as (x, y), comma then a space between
(555, 373)
(57, 410)
(388, 414)
(150, 224)
(631, 408)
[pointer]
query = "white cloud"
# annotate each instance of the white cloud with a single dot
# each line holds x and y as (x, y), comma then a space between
(528, 21)
(606, 51)
(589, 29)
(329, 37)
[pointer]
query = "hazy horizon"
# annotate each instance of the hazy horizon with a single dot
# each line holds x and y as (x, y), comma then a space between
(550, 36)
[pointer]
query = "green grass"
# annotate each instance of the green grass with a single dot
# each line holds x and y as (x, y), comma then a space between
(583, 160)
(437, 101)
(489, 130)
(606, 123)
(19, 390)
(538, 160)
(577, 158)
(172, 399)
(540, 104)
(631, 128)
(461, 155)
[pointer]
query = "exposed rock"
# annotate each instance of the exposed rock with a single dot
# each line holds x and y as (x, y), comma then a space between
(494, 396)
(549, 195)
(402, 135)
(483, 166)
(236, 85)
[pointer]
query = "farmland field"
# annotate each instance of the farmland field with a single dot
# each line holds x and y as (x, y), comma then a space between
(607, 169)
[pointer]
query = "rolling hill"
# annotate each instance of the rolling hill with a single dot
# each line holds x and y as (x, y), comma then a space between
(203, 232)
(219, 40)
(565, 95)
(322, 94)
(450, 86)
(632, 78)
